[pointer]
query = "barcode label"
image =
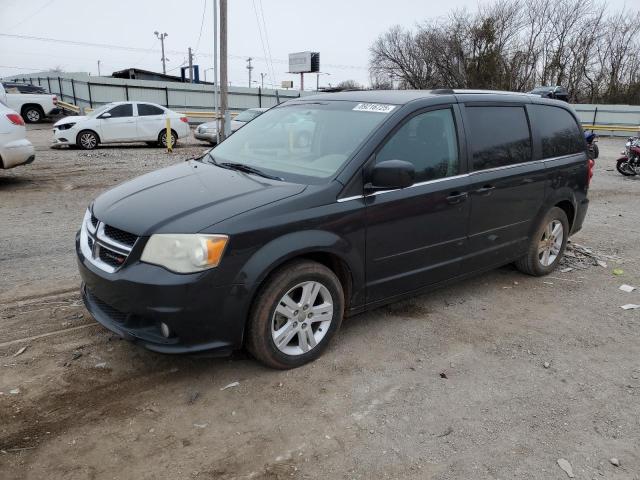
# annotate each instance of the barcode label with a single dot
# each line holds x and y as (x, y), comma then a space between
(373, 107)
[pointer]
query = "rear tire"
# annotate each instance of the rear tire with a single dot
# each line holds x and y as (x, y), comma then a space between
(87, 140)
(294, 315)
(162, 138)
(546, 245)
(32, 114)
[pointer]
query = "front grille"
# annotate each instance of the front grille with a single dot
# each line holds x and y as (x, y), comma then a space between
(105, 246)
(120, 235)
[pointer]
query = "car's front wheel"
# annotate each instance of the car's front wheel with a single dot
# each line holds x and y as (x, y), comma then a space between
(547, 244)
(87, 140)
(295, 315)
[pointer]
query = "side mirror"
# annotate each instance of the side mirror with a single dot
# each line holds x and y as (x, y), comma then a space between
(391, 174)
(105, 115)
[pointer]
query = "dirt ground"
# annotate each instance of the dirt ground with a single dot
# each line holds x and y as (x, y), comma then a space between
(496, 377)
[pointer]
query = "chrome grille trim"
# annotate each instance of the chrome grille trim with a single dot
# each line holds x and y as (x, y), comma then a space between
(93, 239)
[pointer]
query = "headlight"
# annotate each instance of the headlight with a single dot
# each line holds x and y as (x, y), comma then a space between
(65, 126)
(185, 253)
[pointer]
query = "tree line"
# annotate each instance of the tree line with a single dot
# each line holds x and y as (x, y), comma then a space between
(517, 45)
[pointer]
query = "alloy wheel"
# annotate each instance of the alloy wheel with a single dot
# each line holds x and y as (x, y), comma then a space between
(551, 243)
(88, 140)
(302, 318)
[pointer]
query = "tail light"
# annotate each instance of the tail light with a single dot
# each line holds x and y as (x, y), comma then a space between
(590, 164)
(184, 119)
(15, 118)
(55, 100)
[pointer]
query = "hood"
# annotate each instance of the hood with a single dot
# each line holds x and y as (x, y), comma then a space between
(186, 198)
(71, 119)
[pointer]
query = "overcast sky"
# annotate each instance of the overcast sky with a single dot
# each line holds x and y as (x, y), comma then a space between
(341, 30)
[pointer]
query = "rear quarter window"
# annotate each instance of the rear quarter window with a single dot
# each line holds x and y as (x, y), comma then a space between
(499, 136)
(558, 130)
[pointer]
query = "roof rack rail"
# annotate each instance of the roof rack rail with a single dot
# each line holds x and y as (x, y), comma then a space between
(442, 91)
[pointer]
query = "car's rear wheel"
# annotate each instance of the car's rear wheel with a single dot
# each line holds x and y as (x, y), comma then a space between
(32, 114)
(162, 138)
(547, 245)
(295, 315)
(87, 140)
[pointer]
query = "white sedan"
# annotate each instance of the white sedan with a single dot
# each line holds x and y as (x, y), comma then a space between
(15, 149)
(121, 122)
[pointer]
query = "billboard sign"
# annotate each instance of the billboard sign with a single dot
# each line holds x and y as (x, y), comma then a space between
(304, 62)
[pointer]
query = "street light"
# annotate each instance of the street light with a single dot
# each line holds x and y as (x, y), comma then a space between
(161, 37)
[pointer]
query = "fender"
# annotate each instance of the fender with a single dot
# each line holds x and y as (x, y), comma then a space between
(292, 245)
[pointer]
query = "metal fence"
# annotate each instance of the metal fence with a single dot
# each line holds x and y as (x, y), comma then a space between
(614, 120)
(85, 91)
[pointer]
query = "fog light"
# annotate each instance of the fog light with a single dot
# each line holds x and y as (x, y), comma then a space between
(164, 329)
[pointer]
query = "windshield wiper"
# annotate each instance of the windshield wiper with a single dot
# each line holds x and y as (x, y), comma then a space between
(246, 168)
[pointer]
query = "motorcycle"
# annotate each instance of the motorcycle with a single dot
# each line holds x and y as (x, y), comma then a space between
(629, 164)
(592, 145)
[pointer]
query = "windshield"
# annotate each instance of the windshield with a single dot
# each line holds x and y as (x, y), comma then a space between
(302, 142)
(247, 115)
(99, 110)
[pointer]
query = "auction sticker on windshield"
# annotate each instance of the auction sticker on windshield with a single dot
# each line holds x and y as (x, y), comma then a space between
(373, 107)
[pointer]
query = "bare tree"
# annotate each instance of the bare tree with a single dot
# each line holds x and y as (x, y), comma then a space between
(517, 45)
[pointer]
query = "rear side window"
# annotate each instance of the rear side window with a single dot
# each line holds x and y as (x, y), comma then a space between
(499, 136)
(144, 109)
(122, 110)
(558, 130)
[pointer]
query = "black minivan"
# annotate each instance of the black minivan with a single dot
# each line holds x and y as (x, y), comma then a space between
(328, 206)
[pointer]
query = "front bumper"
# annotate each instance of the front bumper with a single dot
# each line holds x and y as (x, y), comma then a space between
(18, 152)
(133, 301)
(64, 137)
(207, 136)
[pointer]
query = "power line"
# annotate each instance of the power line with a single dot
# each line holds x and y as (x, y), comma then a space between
(176, 52)
(264, 50)
(32, 15)
(266, 36)
(204, 10)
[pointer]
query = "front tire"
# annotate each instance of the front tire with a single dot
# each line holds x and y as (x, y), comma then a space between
(294, 315)
(87, 140)
(596, 151)
(547, 244)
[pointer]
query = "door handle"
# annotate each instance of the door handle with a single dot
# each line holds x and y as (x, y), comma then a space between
(457, 197)
(485, 190)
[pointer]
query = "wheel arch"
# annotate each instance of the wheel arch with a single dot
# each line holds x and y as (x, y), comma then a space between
(29, 105)
(172, 131)
(323, 247)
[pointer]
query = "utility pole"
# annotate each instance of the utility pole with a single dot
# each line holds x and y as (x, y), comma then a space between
(224, 83)
(262, 75)
(98, 67)
(249, 68)
(216, 84)
(190, 66)
(161, 37)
